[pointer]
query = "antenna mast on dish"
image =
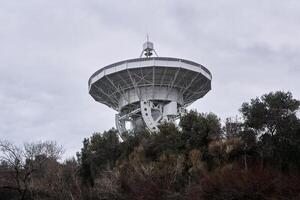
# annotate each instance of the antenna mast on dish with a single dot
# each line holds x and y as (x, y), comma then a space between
(148, 48)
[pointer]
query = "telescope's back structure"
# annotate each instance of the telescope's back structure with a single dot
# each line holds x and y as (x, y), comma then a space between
(149, 90)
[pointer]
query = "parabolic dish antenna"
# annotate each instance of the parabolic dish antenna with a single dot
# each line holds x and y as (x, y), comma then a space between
(147, 91)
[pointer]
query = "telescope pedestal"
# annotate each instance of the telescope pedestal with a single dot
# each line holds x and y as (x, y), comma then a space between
(149, 115)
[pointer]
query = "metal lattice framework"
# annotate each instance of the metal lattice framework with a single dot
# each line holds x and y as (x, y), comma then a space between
(147, 91)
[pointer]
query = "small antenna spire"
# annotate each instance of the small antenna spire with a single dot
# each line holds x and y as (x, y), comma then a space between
(148, 48)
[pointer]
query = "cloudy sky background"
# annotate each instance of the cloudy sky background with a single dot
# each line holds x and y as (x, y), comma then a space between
(49, 49)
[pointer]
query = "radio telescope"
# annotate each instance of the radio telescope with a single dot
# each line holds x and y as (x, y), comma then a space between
(147, 91)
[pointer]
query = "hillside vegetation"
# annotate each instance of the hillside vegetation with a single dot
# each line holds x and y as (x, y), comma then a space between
(257, 157)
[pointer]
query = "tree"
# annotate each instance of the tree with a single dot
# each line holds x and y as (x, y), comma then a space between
(99, 152)
(273, 120)
(232, 127)
(167, 140)
(199, 129)
(26, 160)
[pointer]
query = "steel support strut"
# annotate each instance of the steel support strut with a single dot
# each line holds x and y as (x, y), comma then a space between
(146, 110)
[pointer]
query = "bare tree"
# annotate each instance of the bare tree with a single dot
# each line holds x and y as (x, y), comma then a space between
(26, 160)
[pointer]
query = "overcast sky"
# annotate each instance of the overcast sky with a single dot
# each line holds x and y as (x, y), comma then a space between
(49, 49)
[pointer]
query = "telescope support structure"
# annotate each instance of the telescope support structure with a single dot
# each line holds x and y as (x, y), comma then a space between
(149, 114)
(149, 91)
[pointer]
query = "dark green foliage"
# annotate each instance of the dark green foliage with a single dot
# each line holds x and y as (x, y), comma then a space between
(199, 129)
(104, 149)
(99, 152)
(272, 120)
(272, 113)
(132, 140)
(167, 140)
